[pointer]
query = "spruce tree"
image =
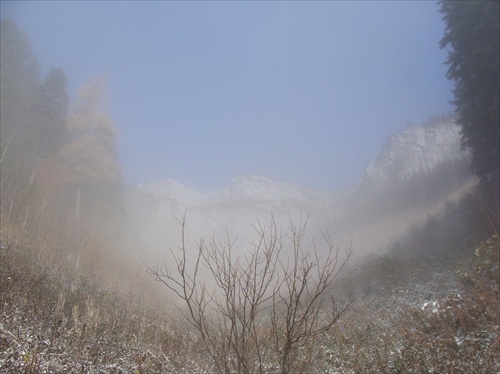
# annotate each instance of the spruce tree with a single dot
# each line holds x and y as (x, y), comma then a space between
(473, 35)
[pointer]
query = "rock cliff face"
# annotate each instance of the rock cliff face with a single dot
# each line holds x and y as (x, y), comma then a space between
(416, 149)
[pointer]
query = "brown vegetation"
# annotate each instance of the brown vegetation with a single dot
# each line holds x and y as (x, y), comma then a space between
(410, 315)
(266, 305)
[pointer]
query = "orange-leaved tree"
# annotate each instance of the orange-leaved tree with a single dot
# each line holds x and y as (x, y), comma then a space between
(86, 173)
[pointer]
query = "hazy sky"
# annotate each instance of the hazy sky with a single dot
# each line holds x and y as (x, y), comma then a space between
(201, 92)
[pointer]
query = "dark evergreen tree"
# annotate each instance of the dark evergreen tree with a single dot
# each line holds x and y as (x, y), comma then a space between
(32, 122)
(473, 34)
(19, 82)
(53, 108)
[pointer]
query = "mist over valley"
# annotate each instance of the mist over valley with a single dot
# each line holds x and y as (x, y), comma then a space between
(249, 187)
(415, 173)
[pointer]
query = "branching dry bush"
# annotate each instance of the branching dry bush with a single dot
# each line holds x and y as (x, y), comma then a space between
(266, 305)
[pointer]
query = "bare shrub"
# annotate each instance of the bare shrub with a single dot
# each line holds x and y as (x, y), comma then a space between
(265, 305)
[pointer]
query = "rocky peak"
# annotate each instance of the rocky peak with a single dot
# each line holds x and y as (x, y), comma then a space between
(416, 149)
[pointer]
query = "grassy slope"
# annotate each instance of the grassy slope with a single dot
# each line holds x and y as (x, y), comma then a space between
(411, 315)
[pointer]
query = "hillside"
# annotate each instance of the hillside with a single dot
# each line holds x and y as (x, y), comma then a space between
(421, 289)
(411, 314)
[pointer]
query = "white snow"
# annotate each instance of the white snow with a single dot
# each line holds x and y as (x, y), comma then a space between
(416, 149)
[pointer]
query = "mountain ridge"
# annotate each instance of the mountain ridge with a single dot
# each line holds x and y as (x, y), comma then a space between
(413, 150)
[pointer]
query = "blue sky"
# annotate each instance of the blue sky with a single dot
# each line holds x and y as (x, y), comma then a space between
(201, 92)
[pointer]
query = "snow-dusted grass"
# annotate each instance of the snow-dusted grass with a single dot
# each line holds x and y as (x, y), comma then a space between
(408, 317)
(59, 322)
(447, 323)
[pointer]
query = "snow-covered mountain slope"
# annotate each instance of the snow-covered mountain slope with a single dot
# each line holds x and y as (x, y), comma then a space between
(257, 188)
(416, 149)
(248, 188)
(235, 210)
(172, 192)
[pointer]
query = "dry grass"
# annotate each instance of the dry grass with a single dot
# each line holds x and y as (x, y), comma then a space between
(425, 327)
(56, 320)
